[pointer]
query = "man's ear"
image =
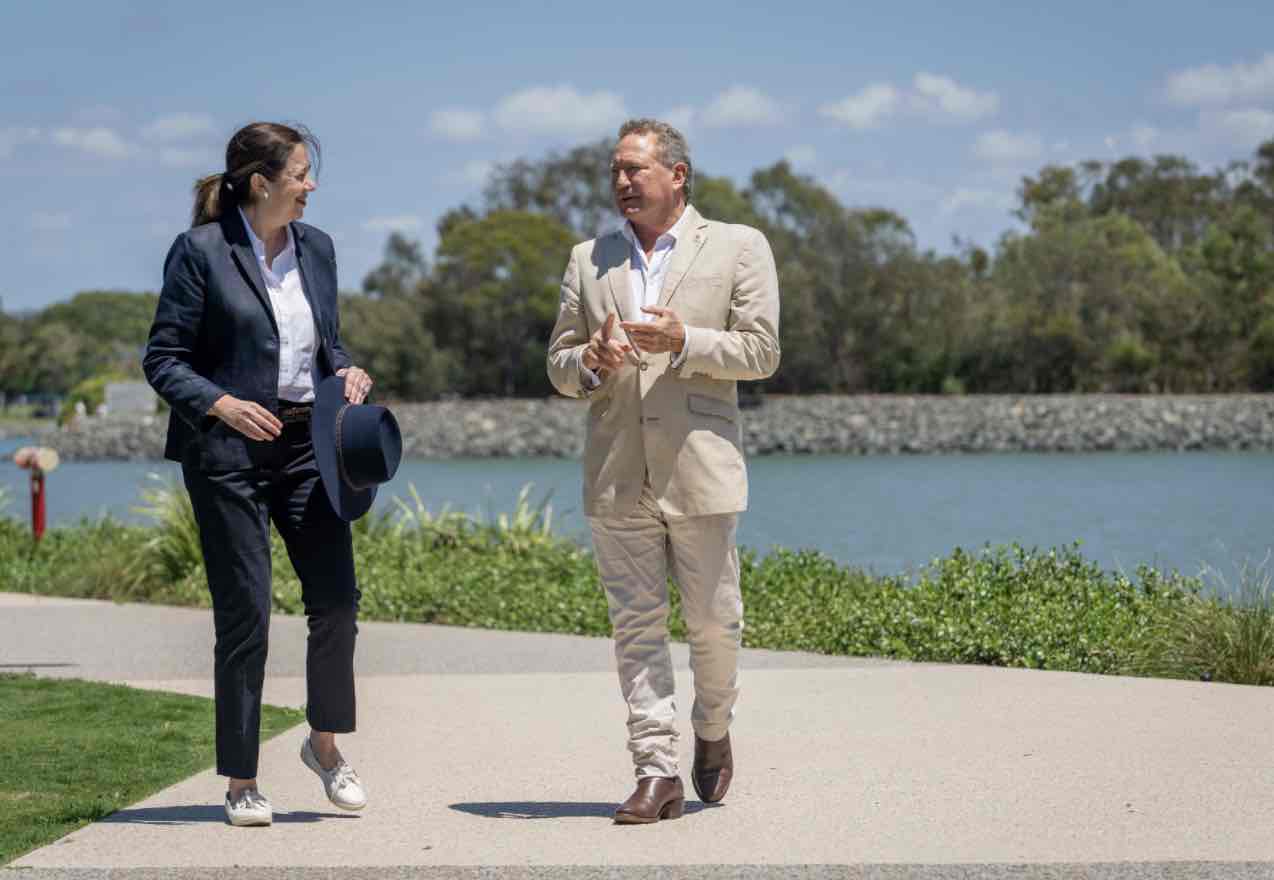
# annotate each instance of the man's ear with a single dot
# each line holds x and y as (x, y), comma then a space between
(679, 174)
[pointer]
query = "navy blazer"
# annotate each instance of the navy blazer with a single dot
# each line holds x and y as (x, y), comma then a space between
(214, 333)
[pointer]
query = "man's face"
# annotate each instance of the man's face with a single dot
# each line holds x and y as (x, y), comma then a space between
(645, 191)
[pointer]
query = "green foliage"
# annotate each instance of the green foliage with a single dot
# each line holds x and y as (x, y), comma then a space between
(494, 297)
(1005, 606)
(1225, 637)
(95, 333)
(1002, 606)
(170, 558)
(76, 751)
(1139, 275)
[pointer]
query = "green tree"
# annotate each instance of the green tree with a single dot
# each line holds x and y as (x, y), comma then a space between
(1087, 305)
(494, 298)
(573, 188)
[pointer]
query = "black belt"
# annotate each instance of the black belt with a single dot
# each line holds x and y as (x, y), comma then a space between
(291, 413)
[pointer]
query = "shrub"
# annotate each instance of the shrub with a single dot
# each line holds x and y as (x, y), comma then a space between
(1212, 638)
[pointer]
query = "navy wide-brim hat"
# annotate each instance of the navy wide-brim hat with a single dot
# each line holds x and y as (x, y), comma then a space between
(357, 445)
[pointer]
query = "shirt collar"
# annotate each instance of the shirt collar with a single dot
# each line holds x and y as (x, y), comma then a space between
(673, 234)
(258, 246)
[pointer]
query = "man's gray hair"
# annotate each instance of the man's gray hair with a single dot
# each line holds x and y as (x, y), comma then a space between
(671, 146)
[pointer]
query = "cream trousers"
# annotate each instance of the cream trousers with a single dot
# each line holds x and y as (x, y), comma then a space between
(635, 554)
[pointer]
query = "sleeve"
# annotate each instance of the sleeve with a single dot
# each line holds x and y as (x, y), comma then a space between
(169, 359)
(340, 357)
(749, 346)
(569, 337)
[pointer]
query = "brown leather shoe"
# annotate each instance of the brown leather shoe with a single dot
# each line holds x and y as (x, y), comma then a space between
(656, 797)
(713, 769)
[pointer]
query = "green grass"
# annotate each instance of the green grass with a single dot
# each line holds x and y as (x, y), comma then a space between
(74, 751)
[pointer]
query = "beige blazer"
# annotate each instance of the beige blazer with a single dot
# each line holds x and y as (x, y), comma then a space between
(679, 425)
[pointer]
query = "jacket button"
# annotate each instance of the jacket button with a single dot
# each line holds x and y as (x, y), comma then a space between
(645, 365)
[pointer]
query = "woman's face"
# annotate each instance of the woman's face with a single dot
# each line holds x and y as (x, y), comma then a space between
(289, 193)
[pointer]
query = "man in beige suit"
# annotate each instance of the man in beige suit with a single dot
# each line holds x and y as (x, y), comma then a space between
(657, 323)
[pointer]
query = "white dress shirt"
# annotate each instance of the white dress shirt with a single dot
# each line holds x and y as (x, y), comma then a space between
(646, 281)
(293, 316)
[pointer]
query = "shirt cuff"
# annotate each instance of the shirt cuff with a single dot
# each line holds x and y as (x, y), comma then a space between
(588, 379)
(685, 347)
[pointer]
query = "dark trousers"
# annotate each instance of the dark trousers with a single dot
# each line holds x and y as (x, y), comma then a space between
(234, 510)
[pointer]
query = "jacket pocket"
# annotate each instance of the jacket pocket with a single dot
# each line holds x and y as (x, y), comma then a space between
(702, 404)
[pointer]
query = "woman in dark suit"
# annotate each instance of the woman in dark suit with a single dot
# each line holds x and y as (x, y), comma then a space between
(246, 329)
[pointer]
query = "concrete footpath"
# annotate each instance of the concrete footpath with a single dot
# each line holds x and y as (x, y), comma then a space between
(501, 755)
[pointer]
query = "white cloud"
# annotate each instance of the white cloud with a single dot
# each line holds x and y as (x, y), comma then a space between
(941, 96)
(476, 171)
(742, 106)
(403, 223)
(938, 98)
(13, 137)
(560, 110)
(681, 118)
(966, 197)
(457, 123)
(102, 142)
(181, 157)
(866, 109)
(1213, 84)
(50, 221)
(1002, 147)
(1247, 128)
(801, 155)
(178, 127)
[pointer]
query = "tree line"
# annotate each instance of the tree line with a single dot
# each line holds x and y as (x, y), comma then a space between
(1139, 275)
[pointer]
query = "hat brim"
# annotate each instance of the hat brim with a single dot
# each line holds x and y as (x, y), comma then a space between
(348, 503)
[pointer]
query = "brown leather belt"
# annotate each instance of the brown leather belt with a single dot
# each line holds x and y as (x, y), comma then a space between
(292, 413)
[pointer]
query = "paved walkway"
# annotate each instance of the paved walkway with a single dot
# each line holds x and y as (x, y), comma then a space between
(492, 754)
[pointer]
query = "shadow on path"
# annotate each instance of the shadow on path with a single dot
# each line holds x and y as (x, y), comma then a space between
(187, 815)
(551, 809)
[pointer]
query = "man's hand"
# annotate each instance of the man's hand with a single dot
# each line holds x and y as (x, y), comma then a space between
(603, 353)
(357, 383)
(250, 419)
(665, 333)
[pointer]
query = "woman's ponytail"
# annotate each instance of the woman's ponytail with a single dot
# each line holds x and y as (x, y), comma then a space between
(208, 202)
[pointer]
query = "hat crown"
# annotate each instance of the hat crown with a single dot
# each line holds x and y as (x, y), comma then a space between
(369, 445)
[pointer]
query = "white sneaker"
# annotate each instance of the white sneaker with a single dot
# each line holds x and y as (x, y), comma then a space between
(251, 807)
(341, 783)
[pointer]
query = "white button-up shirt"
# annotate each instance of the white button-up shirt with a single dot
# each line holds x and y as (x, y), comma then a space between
(292, 313)
(646, 277)
(646, 281)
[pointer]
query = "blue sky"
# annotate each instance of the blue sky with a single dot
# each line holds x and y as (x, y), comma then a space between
(110, 110)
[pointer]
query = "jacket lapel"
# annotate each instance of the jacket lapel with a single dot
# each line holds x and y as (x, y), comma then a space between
(235, 233)
(298, 236)
(684, 253)
(619, 258)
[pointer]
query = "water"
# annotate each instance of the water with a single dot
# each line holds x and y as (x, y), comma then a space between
(888, 514)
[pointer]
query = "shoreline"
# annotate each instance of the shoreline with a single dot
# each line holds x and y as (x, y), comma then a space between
(804, 425)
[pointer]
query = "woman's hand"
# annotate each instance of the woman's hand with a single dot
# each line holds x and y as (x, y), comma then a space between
(250, 419)
(357, 383)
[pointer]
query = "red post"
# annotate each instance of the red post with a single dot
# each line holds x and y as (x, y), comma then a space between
(37, 503)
